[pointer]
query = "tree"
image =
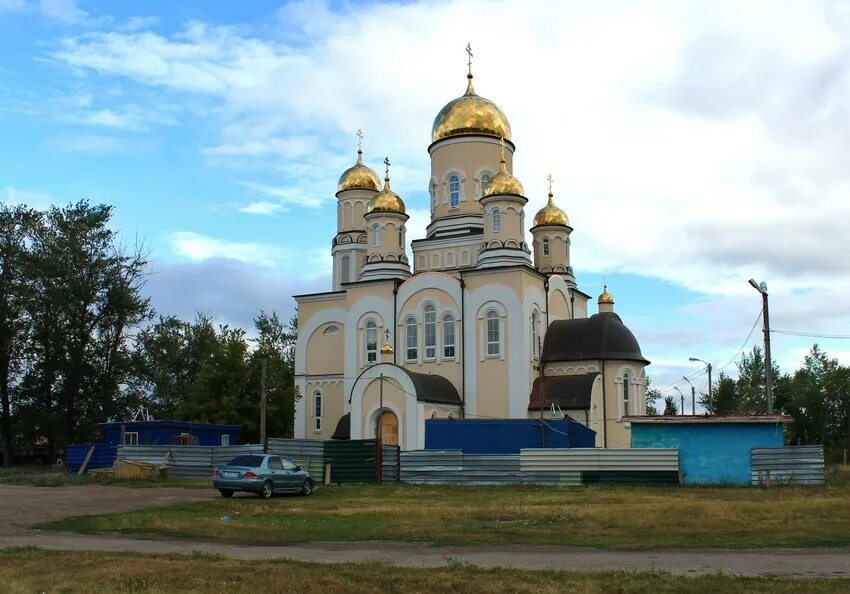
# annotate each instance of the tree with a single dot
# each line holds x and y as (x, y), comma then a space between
(670, 407)
(751, 391)
(16, 226)
(88, 294)
(653, 395)
(724, 399)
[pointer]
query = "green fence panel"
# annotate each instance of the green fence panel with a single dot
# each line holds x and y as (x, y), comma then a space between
(352, 460)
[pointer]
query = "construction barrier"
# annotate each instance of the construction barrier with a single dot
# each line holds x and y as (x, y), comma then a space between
(799, 465)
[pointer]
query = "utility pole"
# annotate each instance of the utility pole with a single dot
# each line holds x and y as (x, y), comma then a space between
(768, 372)
(682, 397)
(693, 397)
(708, 369)
(263, 438)
(379, 458)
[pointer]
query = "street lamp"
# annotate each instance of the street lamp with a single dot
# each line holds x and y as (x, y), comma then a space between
(682, 396)
(768, 379)
(693, 396)
(708, 368)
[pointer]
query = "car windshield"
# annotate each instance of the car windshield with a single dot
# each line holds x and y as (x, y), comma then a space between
(250, 461)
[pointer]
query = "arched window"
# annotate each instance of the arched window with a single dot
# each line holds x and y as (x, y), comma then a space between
(486, 178)
(497, 221)
(401, 237)
(434, 414)
(331, 330)
(411, 342)
(432, 191)
(345, 264)
(454, 191)
(627, 388)
(492, 334)
(318, 411)
(448, 337)
(545, 247)
(535, 341)
(430, 332)
(376, 235)
(371, 343)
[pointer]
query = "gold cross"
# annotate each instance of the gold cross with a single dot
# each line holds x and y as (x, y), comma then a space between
(549, 178)
(387, 334)
(387, 163)
(469, 51)
(360, 136)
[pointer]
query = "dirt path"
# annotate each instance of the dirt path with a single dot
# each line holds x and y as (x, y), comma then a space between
(792, 562)
(22, 506)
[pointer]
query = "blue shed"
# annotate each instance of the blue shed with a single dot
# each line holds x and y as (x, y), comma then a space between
(505, 436)
(169, 433)
(713, 450)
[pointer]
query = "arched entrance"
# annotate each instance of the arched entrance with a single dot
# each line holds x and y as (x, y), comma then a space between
(387, 428)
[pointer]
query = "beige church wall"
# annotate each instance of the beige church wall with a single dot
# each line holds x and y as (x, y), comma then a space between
(580, 305)
(390, 226)
(441, 411)
(559, 306)
(493, 388)
(468, 157)
(557, 248)
(351, 205)
(333, 407)
(325, 351)
(394, 400)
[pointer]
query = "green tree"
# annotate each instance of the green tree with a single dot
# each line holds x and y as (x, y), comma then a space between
(751, 392)
(724, 399)
(670, 406)
(16, 227)
(88, 295)
(653, 395)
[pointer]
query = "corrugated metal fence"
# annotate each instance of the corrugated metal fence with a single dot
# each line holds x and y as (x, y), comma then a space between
(389, 464)
(309, 453)
(103, 456)
(800, 465)
(351, 461)
(542, 466)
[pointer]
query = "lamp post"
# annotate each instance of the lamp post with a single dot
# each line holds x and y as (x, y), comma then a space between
(682, 396)
(707, 368)
(768, 374)
(693, 396)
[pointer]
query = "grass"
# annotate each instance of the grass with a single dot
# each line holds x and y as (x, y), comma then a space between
(631, 517)
(34, 570)
(47, 476)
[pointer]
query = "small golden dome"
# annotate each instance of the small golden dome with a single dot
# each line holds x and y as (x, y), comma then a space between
(386, 201)
(359, 177)
(605, 297)
(470, 114)
(551, 215)
(503, 184)
(387, 349)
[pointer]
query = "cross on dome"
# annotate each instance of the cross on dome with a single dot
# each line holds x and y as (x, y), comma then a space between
(360, 136)
(387, 164)
(469, 63)
(550, 180)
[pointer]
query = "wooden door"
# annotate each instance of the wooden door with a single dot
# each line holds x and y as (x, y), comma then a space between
(389, 428)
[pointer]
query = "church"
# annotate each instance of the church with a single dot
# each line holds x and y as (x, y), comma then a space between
(477, 324)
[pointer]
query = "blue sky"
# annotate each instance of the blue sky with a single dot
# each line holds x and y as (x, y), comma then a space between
(693, 145)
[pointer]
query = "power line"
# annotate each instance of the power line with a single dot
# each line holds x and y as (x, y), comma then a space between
(811, 334)
(746, 341)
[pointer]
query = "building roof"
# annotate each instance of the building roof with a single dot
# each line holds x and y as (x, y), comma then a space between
(343, 427)
(708, 419)
(601, 336)
(433, 388)
(569, 392)
(172, 424)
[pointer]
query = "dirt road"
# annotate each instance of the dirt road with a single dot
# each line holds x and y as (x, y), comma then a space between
(22, 506)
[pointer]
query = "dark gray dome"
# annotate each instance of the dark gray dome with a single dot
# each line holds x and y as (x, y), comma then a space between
(601, 336)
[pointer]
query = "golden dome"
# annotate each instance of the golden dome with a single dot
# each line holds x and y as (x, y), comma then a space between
(387, 349)
(385, 201)
(503, 184)
(605, 297)
(551, 215)
(359, 177)
(470, 114)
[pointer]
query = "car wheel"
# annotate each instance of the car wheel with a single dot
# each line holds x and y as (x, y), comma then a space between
(226, 493)
(268, 490)
(307, 488)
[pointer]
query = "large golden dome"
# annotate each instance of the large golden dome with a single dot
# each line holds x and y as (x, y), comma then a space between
(358, 177)
(470, 114)
(551, 215)
(605, 297)
(386, 201)
(503, 184)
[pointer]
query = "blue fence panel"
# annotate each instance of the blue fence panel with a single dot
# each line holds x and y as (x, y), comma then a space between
(102, 457)
(505, 436)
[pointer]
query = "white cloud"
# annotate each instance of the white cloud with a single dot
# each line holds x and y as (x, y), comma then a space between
(198, 247)
(686, 144)
(63, 10)
(31, 198)
(262, 207)
(12, 5)
(90, 143)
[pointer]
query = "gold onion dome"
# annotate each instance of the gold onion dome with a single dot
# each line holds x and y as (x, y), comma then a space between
(503, 184)
(359, 177)
(551, 215)
(470, 114)
(386, 200)
(606, 297)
